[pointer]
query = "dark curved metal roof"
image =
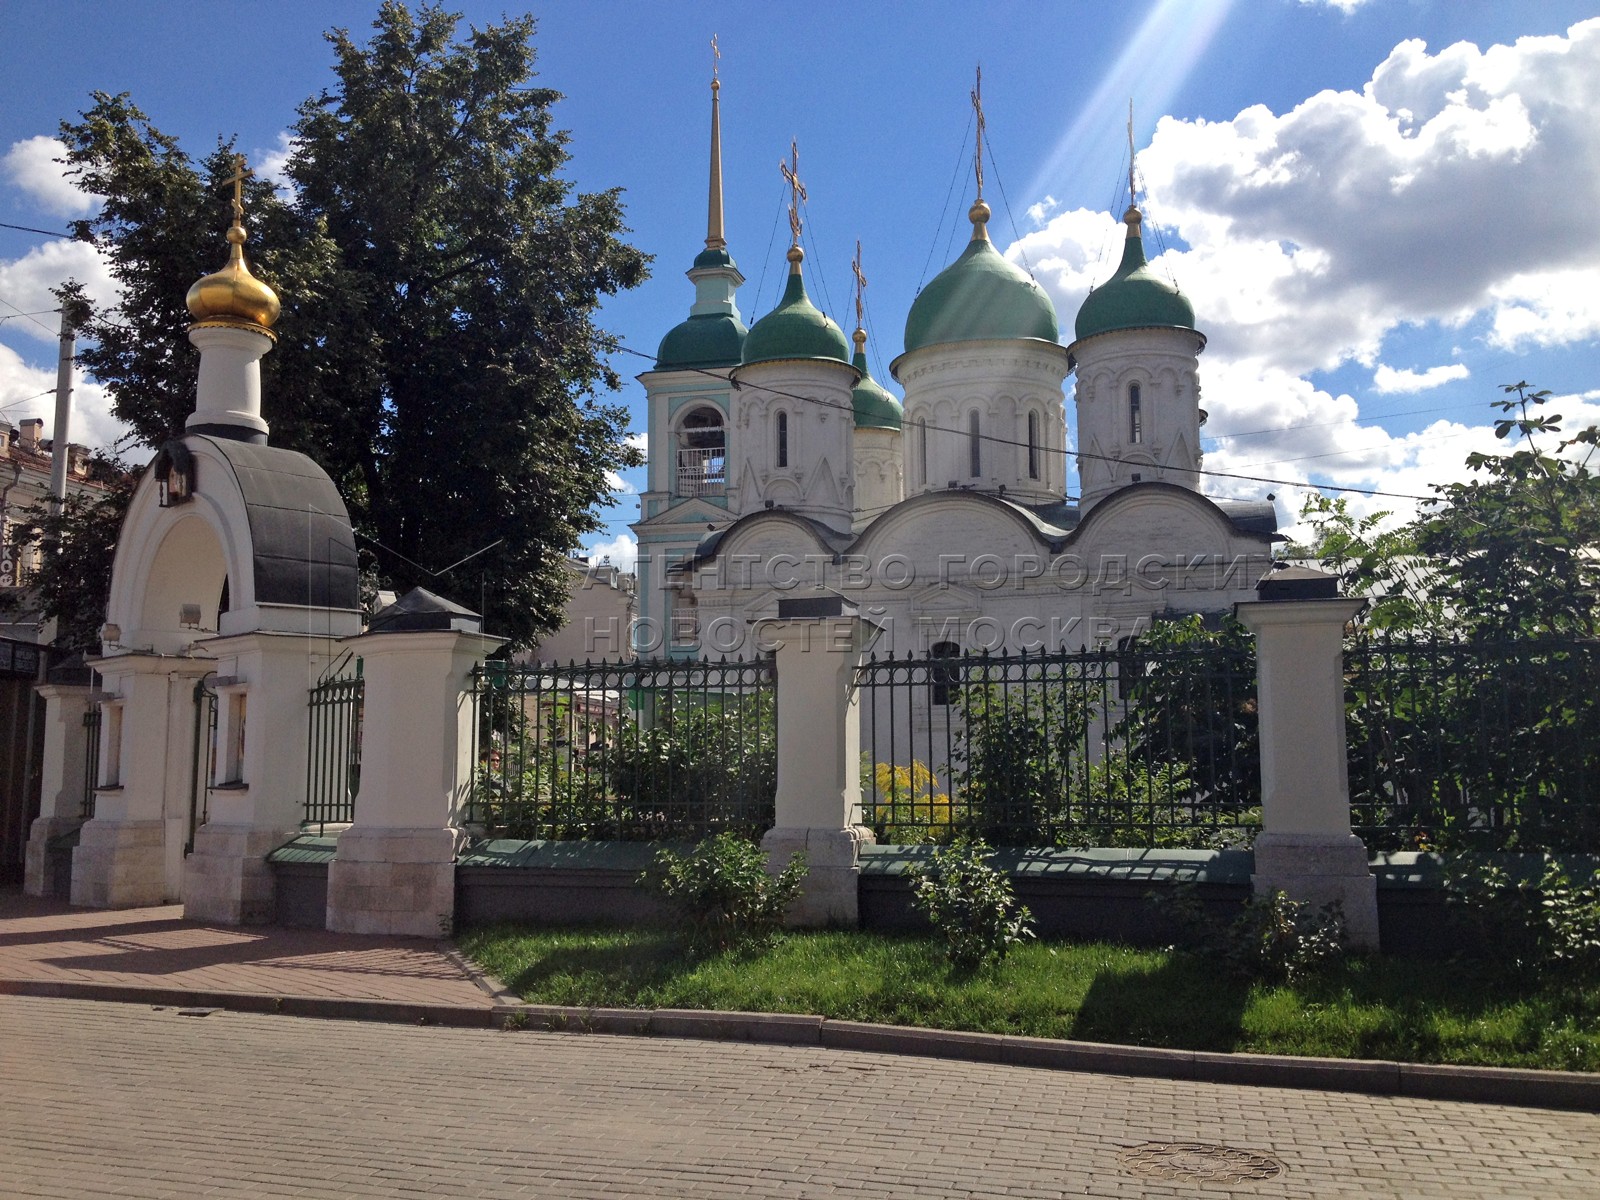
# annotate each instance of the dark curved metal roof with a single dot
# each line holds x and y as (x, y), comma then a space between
(303, 550)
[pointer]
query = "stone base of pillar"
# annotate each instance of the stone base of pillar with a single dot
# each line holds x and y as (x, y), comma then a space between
(47, 869)
(226, 880)
(1319, 869)
(120, 864)
(395, 881)
(829, 896)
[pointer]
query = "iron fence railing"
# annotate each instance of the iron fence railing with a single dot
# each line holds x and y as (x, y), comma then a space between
(1130, 747)
(658, 749)
(91, 759)
(1474, 745)
(333, 751)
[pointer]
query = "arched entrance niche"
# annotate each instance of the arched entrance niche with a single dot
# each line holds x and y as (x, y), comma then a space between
(185, 584)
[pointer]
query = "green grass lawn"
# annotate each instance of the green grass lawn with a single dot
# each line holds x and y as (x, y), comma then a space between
(1362, 1008)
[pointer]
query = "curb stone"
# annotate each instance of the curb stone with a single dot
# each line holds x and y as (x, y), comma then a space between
(1576, 1091)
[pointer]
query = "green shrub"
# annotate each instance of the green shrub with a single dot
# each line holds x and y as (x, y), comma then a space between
(1551, 922)
(724, 891)
(971, 904)
(1273, 939)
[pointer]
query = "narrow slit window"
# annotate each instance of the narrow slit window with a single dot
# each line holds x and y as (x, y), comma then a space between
(783, 439)
(922, 439)
(1135, 415)
(974, 446)
(1033, 445)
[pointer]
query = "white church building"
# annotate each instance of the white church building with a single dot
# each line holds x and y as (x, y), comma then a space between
(779, 468)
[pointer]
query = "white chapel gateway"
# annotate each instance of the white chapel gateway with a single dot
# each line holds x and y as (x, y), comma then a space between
(779, 468)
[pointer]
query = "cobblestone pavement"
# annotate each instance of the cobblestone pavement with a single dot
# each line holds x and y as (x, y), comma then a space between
(155, 947)
(103, 1099)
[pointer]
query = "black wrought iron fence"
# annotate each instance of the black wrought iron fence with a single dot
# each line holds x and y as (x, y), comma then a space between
(1142, 746)
(652, 749)
(333, 751)
(91, 759)
(1474, 745)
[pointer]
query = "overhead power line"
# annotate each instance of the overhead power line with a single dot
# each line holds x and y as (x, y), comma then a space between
(995, 439)
(55, 233)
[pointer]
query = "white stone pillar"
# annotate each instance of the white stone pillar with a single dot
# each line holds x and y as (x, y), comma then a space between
(131, 853)
(257, 800)
(228, 394)
(394, 870)
(1306, 848)
(819, 755)
(63, 778)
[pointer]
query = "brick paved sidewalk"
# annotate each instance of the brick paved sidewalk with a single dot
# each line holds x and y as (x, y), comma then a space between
(47, 941)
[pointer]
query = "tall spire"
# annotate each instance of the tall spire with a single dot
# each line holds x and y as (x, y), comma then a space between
(978, 214)
(797, 196)
(714, 232)
(1132, 217)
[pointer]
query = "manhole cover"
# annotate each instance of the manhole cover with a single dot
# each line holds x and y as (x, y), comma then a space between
(1198, 1162)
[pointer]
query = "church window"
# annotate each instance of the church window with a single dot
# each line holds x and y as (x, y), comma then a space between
(922, 440)
(1135, 415)
(783, 439)
(943, 674)
(1033, 445)
(974, 446)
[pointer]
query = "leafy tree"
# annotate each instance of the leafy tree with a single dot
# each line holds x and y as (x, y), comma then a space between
(438, 353)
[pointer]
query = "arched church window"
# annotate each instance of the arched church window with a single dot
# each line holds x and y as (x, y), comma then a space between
(1135, 415)
(702, 453)
(943, 674)
(1033, 445)
(974, 446)
(783, 439)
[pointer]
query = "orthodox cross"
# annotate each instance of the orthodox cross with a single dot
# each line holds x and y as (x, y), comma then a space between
(977, 108)
(797, 190)
(861, 282)
(240, 174)
(716, 57)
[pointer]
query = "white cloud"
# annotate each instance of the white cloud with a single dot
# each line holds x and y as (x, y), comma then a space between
(1386, 380)
(1038, 212)
(273, 164)
(622, 551)
(1345, 6)
(27, 390)
(31, 165)
(27, 282)
(619, 486)
(640, 442)
(1440, 194)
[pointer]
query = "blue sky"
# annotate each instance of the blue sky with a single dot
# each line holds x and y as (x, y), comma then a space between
(1381, 209)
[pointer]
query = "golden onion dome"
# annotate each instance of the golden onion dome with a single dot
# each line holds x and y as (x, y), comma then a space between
(233, 296)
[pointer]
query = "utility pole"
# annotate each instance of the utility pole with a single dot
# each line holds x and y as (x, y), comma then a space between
(58, 447)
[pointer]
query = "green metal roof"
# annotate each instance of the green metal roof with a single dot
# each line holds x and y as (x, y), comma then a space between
(1135, 297)
(875, 407)
(710, 340)
(980, 296)
(795, 329)
(712, 258)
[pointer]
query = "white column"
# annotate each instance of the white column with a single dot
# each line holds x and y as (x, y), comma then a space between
(394, 870)
(259, 801)
(228, 392)
(1306, 848)
(63, 777)
(819, 759)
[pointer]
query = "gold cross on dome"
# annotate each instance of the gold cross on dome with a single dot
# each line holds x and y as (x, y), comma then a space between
(240, 174)
(797, 190)
(861, 282)
(716, 56)
(977, 108)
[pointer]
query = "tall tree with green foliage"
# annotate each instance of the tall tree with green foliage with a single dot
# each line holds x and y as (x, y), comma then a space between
(438, 352)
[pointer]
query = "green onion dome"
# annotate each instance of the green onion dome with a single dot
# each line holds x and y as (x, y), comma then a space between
(796, 328)
(875, 407)
(1135, 297)
(709, 340)
(980, 296)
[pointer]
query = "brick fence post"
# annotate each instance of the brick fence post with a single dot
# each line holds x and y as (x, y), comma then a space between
(1306, 847)
(819, 644)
